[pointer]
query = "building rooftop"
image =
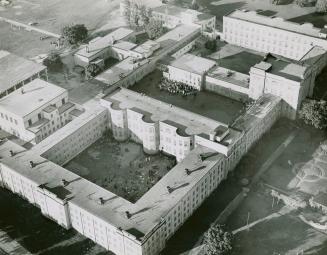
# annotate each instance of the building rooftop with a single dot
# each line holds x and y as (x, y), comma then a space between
(124, 45)
(146, 213)
(286, 69)
(31, 97)
(193, 123)
(277, 22)
(120, 70)
(177, 34)
(100, 43)
(14, 69)
(262, 106)
(173, 10)
(321, 199)
(231, 76)
(193, 64)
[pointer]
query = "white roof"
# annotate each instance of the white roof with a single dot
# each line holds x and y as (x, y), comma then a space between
(193, 64)
(14, 69)
(35, 94)
(100, 43)
(277, 22)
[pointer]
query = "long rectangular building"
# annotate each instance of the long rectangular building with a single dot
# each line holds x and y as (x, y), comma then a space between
(252, 30)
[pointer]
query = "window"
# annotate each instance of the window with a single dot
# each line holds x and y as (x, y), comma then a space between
(63, 101)
(30, 122)
(39, 116)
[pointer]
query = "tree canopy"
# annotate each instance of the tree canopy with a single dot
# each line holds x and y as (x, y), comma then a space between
(154, 28)
(92, 70)
(217, 241)
(74, 34)
(314, 113)
(53, 61)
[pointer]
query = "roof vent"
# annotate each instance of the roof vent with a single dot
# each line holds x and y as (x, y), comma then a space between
(170, 189)
(64, 182)
(128, 214)
(12, 153)
(101, 201)
(32, 164)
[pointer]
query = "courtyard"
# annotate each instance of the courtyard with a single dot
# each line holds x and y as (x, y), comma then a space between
(206, 103)
(121, 167)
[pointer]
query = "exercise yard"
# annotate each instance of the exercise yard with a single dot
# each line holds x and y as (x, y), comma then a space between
(121, 167)
(205, 103)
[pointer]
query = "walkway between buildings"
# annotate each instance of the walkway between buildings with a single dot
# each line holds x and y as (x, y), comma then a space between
(29, 27)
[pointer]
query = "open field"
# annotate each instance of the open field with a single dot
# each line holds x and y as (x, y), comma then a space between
(205, 103)
(122, 168)
(52, 15)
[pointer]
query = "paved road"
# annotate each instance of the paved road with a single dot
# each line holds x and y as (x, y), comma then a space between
(28, 27)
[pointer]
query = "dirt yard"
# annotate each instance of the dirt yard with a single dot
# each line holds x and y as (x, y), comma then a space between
(122, 168)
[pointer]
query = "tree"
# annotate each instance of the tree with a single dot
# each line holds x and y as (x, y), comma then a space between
(53, 61)
(195, 5)
(92, 70)
(154, 28)
(217, 241)
(321, 6)
(74, 34)
(302, 3)
(277, 2)
(314, 113)
(127, 10)
(211, 45)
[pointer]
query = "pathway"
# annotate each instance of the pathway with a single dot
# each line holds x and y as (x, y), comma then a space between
(29, 28)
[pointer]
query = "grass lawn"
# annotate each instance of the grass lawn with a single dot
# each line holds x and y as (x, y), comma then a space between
(205, 103)
(286, 234)
(21, 42)
(122, 168)
(52, 15)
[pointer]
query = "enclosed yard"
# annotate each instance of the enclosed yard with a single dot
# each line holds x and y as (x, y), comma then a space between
(205, 103)
(122, 168)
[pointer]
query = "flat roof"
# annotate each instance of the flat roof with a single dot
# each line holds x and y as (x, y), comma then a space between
(146, 213)
(286, 69)
(177, 34)
(160, 111)
(92, 109)
(100, 43)
(14, 69)
(193, 64)
(277, 22)
(234, 77)
(35, 94)
(262, 106)
(176, 11)
(124, 45)
(120, 70)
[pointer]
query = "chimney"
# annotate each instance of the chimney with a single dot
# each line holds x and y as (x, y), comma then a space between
(128, 214)
(101, 200)
(32, 164)
(87, 49)
(22, 91)
(64, 182)
(12, 153)
(170, 189)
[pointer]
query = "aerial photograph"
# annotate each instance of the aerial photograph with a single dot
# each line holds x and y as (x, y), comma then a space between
(163, 127)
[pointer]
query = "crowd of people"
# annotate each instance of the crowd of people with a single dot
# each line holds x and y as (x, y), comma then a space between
(176, 87)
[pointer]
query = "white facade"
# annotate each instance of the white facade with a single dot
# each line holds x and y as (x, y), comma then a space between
(271, 34)
(35, 111)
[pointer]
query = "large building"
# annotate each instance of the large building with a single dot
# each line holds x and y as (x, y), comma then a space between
(35, 111)
(143, 227)
(189, 69)
(173, 16)
(275, 35)
(15, 72)
(100, 48)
